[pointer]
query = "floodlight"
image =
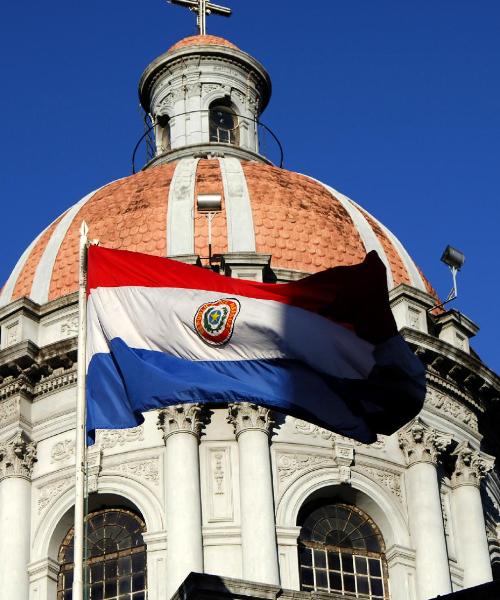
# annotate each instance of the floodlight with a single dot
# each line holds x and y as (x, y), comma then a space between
(453, 258)
(209, 202)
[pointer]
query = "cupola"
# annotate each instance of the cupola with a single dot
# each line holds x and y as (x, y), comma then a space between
(204, 96)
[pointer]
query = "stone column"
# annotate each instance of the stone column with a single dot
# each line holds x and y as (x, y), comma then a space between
(252, 426)
(422, 445)
(470, 468)
(181, 425)
(17, 456)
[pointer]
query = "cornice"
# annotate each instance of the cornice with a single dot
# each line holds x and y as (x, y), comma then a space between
(26, 368)
(34, 310)
(169, 61)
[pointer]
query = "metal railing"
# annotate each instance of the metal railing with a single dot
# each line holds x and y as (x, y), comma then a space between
(269, 145)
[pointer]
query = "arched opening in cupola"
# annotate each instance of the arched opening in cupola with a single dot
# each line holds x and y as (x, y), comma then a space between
(223, 122)
(163, 134)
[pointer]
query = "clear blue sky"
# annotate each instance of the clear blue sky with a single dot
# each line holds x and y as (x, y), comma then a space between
(395, 103)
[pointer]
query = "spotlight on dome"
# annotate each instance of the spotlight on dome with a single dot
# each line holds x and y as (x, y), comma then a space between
(455, 260)
(210, 205)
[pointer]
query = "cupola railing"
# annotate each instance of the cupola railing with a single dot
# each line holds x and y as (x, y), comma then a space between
(156, 142)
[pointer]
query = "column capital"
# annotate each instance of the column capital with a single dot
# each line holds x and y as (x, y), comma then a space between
(421, 443)
(245, 416)
(17, 456)
(471, 466)
(182, 418)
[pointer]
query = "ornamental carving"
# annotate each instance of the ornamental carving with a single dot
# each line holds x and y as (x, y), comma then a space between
(187, 418)
(343, 454)
(471, 466)
(9, 411)
(12, 333)
(451, 408)
(62, 451)
(305, 428)
(220, 493)
(290, 465)
(146, 470)
(245, 416)
(388, 479)
(52, 491)
(110, 438)
(69, 328)
(17, 456)
(421, 443)
(93, 461)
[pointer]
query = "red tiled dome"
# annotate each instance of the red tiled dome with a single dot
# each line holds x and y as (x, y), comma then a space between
(202, 40)
(304, 225)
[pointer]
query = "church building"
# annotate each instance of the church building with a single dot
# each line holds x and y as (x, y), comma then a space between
(264, 504)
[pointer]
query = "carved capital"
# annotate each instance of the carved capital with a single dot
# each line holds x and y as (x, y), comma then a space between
(245, 416)
(470, 466)
(182, 418)
(421, 443)
(17, 456)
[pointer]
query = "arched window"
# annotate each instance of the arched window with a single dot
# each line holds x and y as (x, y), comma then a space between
(342, 550)
(116, 557)
(223, 123)
(163, 134)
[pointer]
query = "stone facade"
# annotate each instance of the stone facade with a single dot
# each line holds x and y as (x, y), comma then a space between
(221, 491)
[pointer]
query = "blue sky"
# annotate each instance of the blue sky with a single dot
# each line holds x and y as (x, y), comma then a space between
(394, 103)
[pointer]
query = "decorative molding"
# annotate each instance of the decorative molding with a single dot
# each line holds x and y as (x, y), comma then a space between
(17, 456)
(69, 327)
(305, 428)
(182, 418)
(291, 465)
(144, 470)
(471, 466)
(220, 490)
(388, 479)
(50, 492)
(456, 411)
(343, 454)
(12, 333)
(245, 416)
(94, 456)
(57, 380)
(110, 438)
(421, 443)
(62, 451)
(9, 411)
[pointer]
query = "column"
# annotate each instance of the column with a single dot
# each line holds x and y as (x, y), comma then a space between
(252, 425)
(181, 425)
(17, 456)
(470, 468)
(422, 446)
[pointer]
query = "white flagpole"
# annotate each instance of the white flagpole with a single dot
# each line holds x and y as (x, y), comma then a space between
(78, 582)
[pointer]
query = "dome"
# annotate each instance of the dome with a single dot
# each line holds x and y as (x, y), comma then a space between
(303, 224)
(201, 40)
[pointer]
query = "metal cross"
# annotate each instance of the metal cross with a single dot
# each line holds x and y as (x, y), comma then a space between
(203, 8)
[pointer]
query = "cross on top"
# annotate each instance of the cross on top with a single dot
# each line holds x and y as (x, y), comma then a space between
(203, 8)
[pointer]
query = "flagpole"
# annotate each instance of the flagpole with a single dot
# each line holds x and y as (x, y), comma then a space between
(78, 583)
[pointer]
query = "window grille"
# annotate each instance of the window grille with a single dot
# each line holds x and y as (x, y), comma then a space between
(342, 551)
(115, 558)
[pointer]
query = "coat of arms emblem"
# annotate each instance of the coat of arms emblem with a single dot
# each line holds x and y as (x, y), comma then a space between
(214, 321)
